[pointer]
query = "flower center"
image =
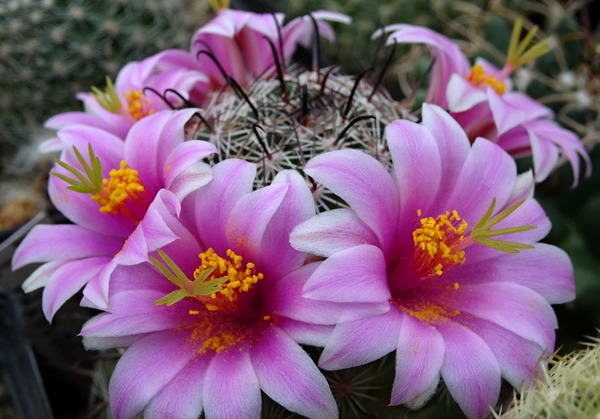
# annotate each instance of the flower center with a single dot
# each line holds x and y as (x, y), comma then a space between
(123, 194)
(241, 279)
(438, 244)
(137, 105)
(479, 77)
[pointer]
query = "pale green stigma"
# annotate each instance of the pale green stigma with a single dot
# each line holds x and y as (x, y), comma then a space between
(91, 184)
(482, 232)
(187, 288)
(108, 99)
(219, 4)
(518, 54)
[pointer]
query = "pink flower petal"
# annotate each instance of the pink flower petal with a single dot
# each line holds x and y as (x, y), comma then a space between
(419, 358)
(285, 299)
(330, 232)
(67, 280)
(353, 275)
(487, 173)
(462, 95)
(364, 184)
(417, 166)
(505, 115)
(210, 206)
(136, 313)
(361, 341)
(135, 380)
(525, 103)
(448, 57)
(529, 268)
(181, 398)
(545, 156)
(453, 144)
(62, 242)
(288, 376)
(150, 142)
(517, 357)
(248, 221)
(233, 391)
(40, 277)
(470, 370)
(305, 333)
(297, 206)
(509, 305)
(158, 228)
(185, 156)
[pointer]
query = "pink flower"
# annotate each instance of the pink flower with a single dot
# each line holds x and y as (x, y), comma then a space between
(125, 103)
(194, 346)
(420, 238)
(154, 156)
(238, 41)
(481, 99)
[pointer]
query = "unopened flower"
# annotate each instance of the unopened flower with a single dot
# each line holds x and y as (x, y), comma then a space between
(106, 186)
(481, 99)
(198, 321)
(448, 241)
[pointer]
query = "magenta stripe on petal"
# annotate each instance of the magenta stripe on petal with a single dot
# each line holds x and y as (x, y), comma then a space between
(212, 204)
(181, 398)
(136, 380)
(517, 357)
(419, 358)
(288, 376)
(233, 390)
(470, 370)
(62, 242)
(278, 257)
(332, 231)
(361, 341)
(353, 275)
(364, 184)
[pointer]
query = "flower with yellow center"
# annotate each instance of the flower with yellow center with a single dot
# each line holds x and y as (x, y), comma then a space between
(449, 241)
(121, 194)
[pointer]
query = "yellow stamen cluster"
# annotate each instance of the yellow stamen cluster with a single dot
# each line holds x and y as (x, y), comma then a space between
(124, 183)
(436, 242)
(218, 334)
(241, 279)
(137, 104)
(479, 77)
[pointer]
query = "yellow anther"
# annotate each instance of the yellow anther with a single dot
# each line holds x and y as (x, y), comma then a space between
(193, 312)
(480, 78)
(436, 244)
(137, 105)
(119, 191)
(241, 278)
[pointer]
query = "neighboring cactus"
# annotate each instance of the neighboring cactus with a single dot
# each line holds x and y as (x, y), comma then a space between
(570, 389)
(320, 111)
(52, 49)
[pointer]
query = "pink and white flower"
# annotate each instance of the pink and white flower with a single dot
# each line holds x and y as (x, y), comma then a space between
(133, 96)
(191, 350)
(481, 99)
(419, 238)
(153, 157)
(238, 41)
